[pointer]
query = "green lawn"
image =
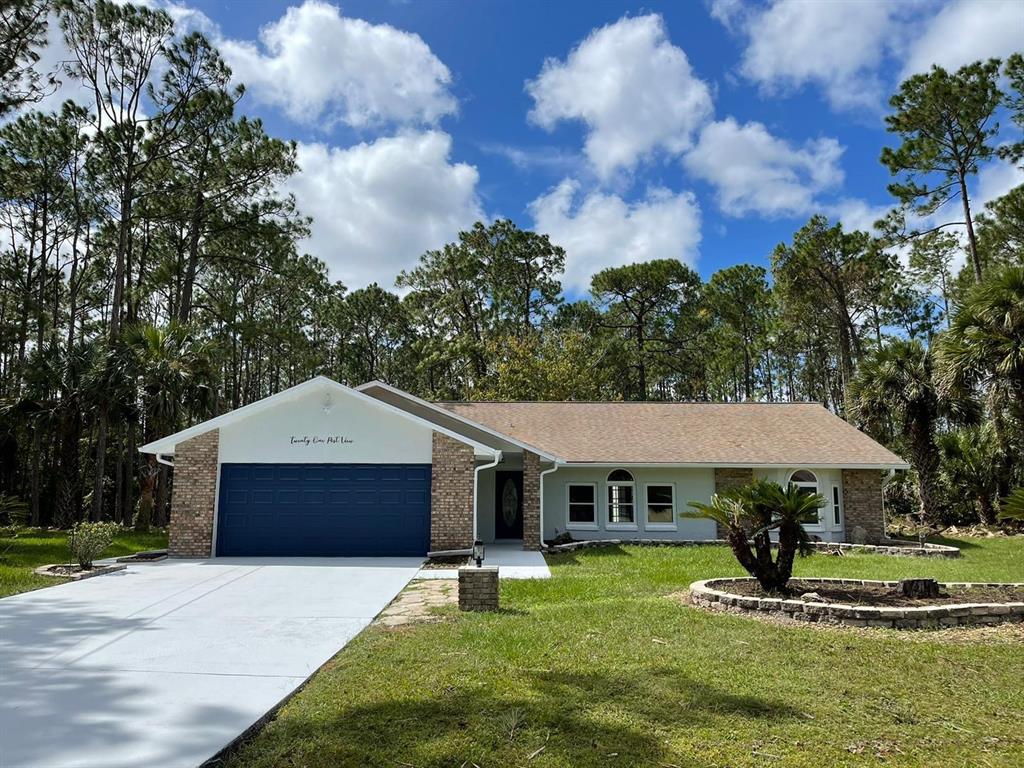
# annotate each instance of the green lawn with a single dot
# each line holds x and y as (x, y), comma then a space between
(34, 547)
(598, 667)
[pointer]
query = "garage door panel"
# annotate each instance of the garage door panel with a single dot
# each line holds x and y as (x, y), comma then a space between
(341, 510)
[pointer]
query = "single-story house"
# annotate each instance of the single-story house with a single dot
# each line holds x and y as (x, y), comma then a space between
(322, 469)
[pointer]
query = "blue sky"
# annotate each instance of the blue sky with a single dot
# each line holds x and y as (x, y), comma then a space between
(703, 131)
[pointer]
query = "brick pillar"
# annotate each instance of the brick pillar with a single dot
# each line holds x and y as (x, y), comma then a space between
(531, 501)
(451, 494)
(478, 589)
(727, 478)
(862, 503)
(194, 496)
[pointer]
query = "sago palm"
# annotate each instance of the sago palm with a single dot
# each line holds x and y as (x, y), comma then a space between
(751, 514)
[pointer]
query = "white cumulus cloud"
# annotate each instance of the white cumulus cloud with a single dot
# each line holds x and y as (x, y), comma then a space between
(835, 45)
(966, 31)
(378, 206)
(601, 230)
(634, 90)
(320, 68)
(756, 172)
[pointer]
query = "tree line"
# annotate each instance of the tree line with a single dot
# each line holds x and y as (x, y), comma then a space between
(151, 275)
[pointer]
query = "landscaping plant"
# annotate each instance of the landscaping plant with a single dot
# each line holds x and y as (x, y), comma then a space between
(88, 540)
(751, 513)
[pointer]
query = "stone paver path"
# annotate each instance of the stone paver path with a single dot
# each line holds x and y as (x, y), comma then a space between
(414, 604)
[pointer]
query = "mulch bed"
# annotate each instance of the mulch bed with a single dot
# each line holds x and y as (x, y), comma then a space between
(149, 556)
(881, 596)
(445, 563)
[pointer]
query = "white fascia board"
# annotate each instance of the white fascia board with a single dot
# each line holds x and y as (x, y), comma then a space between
(166, 445)
(727, 465)
(462, 419)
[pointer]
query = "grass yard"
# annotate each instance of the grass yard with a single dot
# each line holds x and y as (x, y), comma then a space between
(598, 667)
(34, 547)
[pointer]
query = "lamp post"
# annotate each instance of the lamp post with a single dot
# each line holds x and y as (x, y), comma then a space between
(478, 552)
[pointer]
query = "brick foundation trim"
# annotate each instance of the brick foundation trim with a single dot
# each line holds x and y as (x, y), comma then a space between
(194, 496)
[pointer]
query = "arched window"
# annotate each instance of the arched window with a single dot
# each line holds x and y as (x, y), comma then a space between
(621, 509)
(807, 481)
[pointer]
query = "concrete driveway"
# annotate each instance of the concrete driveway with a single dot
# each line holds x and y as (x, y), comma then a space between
(164, 664)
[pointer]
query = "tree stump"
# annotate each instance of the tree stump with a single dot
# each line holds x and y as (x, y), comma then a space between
(918, 587)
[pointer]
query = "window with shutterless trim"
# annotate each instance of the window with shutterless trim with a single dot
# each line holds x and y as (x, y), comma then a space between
(837, 506)
(582, 505)
(661, 505)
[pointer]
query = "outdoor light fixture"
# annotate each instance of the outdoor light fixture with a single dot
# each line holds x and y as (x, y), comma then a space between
(478, 552)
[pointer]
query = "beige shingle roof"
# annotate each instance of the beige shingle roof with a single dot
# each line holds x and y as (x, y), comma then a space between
(783, 434)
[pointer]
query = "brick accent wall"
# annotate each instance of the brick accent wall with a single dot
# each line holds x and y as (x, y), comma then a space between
(478, 589)
(194, 496)
(451, 494)
(862, 503)
(531, 501)
(727, 478)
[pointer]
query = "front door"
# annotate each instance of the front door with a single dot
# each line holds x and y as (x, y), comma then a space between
(508, 505)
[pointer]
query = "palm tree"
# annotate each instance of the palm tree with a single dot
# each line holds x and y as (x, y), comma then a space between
(893, 391)
(175, 374)
(984, 350)
(750, 514)
(985, 342)
(969, 461)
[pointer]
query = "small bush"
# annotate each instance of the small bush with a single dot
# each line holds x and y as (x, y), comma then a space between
(88, 540)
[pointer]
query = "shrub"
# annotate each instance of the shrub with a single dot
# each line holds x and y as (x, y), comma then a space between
(750, 514)
(88, 540)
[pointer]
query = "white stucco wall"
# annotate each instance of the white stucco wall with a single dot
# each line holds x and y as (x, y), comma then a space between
(308, 430)
(690, 484)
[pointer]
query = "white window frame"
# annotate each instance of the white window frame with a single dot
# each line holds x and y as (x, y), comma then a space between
(648, 525)
(574, 526)
(816, 485)
(609, 484)
(836, 505)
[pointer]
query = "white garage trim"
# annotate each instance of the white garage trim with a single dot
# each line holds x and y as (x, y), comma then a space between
(168, 444)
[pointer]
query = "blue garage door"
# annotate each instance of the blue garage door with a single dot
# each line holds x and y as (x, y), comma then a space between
(324, 510)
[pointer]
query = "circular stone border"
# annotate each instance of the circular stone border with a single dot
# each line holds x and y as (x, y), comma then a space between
(710, 594)
(889, 547)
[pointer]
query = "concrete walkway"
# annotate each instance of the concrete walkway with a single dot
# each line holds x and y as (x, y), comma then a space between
(164, 664)
(512, 561)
